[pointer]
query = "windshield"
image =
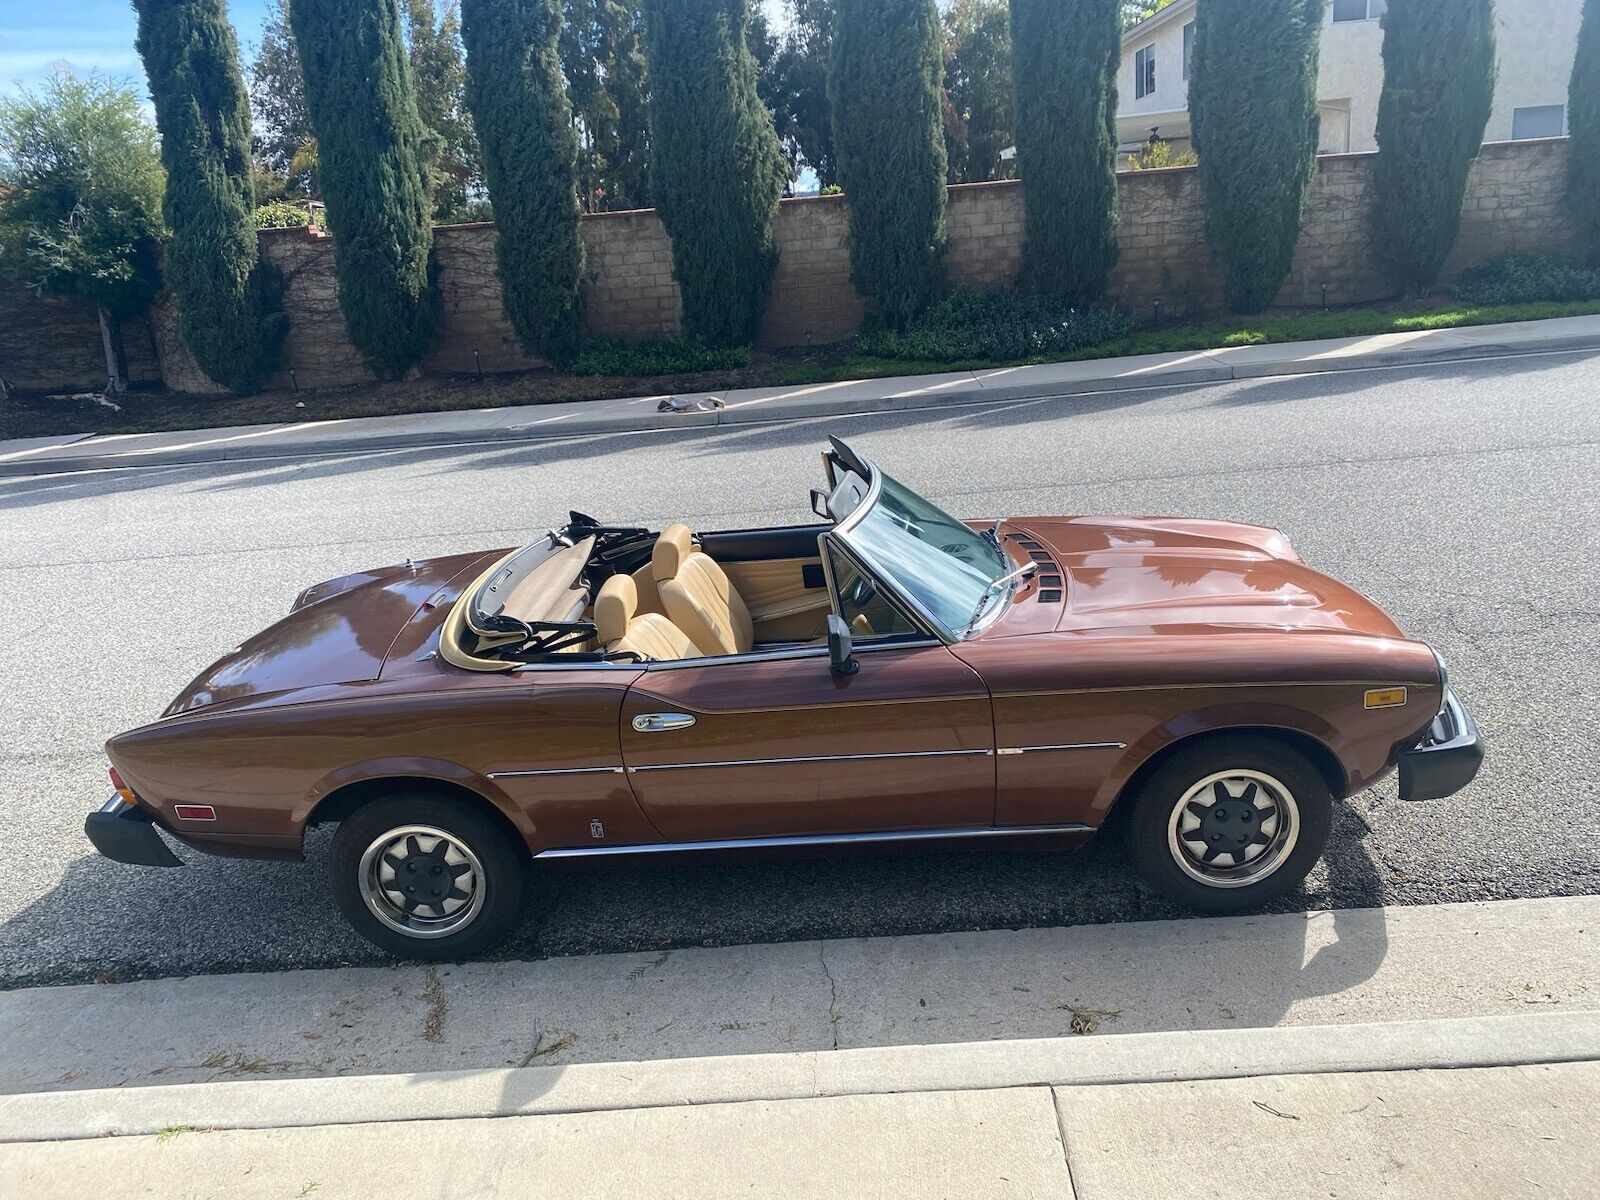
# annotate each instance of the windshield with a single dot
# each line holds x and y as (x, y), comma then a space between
(946, 567)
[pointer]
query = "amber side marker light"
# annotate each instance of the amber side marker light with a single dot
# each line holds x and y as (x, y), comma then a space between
(1386, 698)
(121, 788)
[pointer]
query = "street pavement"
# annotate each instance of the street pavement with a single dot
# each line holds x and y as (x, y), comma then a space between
(1461, 496)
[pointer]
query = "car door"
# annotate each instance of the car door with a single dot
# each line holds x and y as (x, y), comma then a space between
(776, 745)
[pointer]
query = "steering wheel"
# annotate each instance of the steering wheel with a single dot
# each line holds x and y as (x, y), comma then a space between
(860, 592)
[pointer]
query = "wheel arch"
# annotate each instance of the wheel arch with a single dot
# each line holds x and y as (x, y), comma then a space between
(346, 791)
(1313, 748)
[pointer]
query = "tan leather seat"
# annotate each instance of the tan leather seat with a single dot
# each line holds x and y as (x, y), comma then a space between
(698, 596)
(622, 629)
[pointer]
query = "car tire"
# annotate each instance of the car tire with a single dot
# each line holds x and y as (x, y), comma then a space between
(1229, 823)
(425, 877)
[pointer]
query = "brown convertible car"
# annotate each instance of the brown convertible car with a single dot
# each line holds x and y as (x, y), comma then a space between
(887, 675)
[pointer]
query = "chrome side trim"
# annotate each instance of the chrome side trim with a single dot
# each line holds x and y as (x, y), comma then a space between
(829, 839)
(556, 771)
(1068, 746)
(775, 762)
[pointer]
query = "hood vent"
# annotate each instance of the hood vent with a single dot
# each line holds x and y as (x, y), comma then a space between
(1049, 573)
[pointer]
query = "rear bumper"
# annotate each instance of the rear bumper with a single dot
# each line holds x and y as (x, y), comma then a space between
(125, 833)
(1446, 759)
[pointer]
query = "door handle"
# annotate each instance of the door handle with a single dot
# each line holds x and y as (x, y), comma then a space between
(661, 722)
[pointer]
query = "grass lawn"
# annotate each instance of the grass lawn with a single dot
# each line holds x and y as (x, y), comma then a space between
(27, 415)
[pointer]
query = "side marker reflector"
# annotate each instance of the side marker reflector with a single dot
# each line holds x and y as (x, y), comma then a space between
(1386, 697)
(194, 812)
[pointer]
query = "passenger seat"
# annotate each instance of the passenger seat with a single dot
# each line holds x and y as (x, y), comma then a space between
(621, 629)
(698, 596)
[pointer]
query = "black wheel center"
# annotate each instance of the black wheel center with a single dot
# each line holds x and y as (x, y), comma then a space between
(1227, 825)
(425, 876)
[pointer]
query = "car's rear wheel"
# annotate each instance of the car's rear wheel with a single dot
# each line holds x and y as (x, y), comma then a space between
(1229, 823)
(426, 877)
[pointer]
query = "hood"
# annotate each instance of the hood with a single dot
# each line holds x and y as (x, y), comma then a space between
(339, 631)
(1169, 574)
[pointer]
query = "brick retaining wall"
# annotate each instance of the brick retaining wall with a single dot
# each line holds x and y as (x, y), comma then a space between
(1514, 202)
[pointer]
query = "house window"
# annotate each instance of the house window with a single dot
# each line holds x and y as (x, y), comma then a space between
(1188, 48)
(1144, 72)
(1540, 121)
(1358, 10)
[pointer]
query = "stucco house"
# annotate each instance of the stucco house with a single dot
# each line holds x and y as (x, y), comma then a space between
(1535, 44)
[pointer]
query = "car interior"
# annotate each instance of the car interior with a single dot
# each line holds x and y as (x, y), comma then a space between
(593, 592)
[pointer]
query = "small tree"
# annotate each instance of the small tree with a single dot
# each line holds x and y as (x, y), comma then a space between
(888, 72)
(1253, 109)
(718, 167)
(229, 305)
(530, 157)
(372, 172)
(1583, 145)
(1438, 86)
(439, 76)
(280, 126)
(80, 201)
(1065, 61)
(978, 81)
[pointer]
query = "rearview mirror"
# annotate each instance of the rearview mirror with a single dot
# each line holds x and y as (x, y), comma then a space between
(841, 647)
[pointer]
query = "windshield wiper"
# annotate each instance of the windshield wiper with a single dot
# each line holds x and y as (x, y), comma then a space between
(993, 532)
(1027, 568)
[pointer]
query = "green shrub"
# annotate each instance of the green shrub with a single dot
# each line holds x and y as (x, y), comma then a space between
(1583, 145)
(229, 302)
(281, 214)
(530, 162)
(1526, 279)
(996, 327)
(888, 135)
(1438, 85)
(374, 178)
(1065, 61)
(1253, 105)
(719, 169)
(1159, 155)
(665, 356)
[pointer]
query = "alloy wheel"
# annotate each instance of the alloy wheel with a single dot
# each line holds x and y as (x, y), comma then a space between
(1233, 828)
(421, 881)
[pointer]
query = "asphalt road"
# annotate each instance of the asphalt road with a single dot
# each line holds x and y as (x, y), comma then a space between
(1463, 497)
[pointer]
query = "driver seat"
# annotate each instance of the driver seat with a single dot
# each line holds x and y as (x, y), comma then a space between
(621, 629)
(698, 596)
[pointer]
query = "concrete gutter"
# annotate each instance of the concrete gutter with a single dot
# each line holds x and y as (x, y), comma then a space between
(975, 1066)
(766, 405)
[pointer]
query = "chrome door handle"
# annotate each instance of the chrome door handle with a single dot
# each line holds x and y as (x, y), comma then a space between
(661, 722)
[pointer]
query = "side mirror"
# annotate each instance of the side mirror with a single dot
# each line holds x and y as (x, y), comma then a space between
(841, 648)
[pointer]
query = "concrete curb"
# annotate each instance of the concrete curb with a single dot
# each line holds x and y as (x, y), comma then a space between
(900, 394)
(971, 1066)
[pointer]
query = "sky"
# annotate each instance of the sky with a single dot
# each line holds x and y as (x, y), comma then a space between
(87, 35)
(91, 35)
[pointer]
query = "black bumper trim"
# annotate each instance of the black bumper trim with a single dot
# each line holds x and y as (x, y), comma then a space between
(124, 833)
(1446, 759)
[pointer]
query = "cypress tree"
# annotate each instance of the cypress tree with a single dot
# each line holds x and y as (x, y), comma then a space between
(718, 167)
(530, 161)
(373, 174)
(1253, 110)
(1438, 86)
(1583, 143)
(888, 133)
(229, 301)
(1065, 55)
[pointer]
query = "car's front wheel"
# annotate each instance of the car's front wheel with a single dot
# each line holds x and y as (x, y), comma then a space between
(1229, 823)
(425, 877)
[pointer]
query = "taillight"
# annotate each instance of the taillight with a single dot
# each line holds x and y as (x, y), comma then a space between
(122, 789)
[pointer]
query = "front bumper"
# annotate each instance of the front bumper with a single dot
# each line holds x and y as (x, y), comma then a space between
(1446, 759)
(126, 833)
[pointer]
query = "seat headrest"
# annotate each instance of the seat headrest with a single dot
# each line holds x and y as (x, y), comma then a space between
(673, 546)
(614, 608)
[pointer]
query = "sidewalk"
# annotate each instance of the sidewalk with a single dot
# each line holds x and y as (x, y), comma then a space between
(88, 452)
(1444, 1051)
